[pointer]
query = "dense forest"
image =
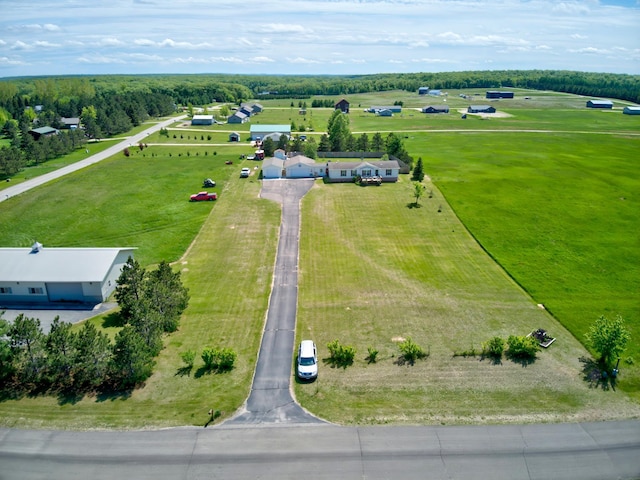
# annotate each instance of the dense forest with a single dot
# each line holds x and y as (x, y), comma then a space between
(108, 105)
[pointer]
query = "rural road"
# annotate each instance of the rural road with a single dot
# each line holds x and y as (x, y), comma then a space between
(273, 437)
(42, 179)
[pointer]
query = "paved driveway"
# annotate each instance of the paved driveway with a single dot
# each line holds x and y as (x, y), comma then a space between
(69, 314)
(270, 400)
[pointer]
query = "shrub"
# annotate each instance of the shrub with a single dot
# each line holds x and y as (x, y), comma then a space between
(373, 353)
(341, 355)
(188, 358)
(521, 347)
(220, 359)
(411, 351)
(208, 357)
(494, 347)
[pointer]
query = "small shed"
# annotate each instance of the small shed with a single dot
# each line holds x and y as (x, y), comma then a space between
(234, 137)
(70, 122)
(343, 106)
(599, 104)
(631, 110)
(36, 133)
(423, 90)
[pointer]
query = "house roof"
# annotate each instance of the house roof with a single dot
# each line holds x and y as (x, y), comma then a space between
(601, 102)
(362, 164)
(270, 128)
(272, 161)
(70, 120)
(57, 264)
(299, 159)
(202, 117)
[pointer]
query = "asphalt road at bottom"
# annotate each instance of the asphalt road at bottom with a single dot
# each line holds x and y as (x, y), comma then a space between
(606, 450)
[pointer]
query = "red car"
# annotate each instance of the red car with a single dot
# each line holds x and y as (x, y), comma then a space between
(202, 196)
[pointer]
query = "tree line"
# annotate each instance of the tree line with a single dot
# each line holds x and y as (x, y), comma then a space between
(80, 361)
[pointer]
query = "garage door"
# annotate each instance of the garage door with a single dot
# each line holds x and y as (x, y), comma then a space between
(65, 292)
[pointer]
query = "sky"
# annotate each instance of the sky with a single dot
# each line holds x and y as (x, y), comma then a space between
(339, 37)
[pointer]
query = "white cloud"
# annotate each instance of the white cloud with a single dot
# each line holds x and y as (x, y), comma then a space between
(282, 28)
(262, 59)
(20, 45)
(40, 43)
(110, 42)
(302, 60)
(10, 62)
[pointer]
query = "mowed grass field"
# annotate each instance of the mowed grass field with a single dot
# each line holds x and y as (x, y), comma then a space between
(373, 270)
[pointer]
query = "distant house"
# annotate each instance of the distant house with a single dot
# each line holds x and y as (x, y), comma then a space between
(387, 170)
(272, 167)
(258, 132)
(436, 109)
(70, 122)
(499, 94)
(481, 109)
(252, 108)
(238, 117)
(434, 93)
(234, 137)
(39, 275)
(202, 120)
(423, 90)
(343, 106)
(281, 154)
(631, 110)
(393, 108)
(599, 104)
(246, 110)
(36, 133)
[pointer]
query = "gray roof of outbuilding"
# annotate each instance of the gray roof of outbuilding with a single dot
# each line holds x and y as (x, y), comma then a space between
(57, 264)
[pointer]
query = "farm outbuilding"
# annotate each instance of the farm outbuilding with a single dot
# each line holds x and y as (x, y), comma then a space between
(481, 109)
(238, 117)
(343, 106)
(631, 110)
(202, 120)
(234, 137)
(393, 108)
(36, 133)
(499, 94)
(436, 109)
(45, 276)
(599, 104)
(423, 90)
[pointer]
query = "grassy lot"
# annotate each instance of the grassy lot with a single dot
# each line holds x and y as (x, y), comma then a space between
(554, 210)
(374, 270)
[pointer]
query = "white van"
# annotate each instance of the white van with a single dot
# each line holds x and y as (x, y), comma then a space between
(307, 360)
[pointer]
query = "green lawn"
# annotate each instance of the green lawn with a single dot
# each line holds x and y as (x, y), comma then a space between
(557, 212)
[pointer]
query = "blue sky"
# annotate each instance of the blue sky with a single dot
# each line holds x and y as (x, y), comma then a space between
(316, 37)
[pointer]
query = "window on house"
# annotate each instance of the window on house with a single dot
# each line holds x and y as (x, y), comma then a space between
(377, 173)
(354, 173)
(366, 173)
(388, 172)
(35, 291)
(5, 290)
(343, 173)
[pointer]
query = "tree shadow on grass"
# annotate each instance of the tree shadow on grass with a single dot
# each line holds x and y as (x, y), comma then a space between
(70, 397)
(333, 363)
(112, 320)
(523, 361)
(113, 395)
(494, 359)
(185, 371)
(596, 376)
(413, 205)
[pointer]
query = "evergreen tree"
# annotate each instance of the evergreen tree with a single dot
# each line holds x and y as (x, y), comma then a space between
(132, 362)
(418, 172)
(93, 354)
(130, 287)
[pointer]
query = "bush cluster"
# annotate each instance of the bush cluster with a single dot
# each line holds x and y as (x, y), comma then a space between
(341, 355)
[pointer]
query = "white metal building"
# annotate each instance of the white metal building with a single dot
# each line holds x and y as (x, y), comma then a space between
(40, 275)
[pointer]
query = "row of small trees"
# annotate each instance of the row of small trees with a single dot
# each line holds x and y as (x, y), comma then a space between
(70, 361)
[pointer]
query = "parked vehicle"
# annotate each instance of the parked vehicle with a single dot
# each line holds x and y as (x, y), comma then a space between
(244, 173)
(208, 183)
(307, 360)
(203, 196)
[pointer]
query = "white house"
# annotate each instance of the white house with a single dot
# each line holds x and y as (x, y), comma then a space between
(40, 275)
(387, 170)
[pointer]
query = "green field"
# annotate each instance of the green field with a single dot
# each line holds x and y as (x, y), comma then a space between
(515, 219)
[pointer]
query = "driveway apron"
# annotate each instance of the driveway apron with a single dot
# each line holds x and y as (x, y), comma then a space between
(270, 400)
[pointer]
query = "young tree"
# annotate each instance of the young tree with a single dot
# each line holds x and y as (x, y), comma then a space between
(166, 295)
(6, 366)
(60, 346)
(27, 348)
(418, 191)
(418, 172)
(129, 289)
(310, 148)
(338, 131)
(93, 355)
(608, 338)
(132, 363)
